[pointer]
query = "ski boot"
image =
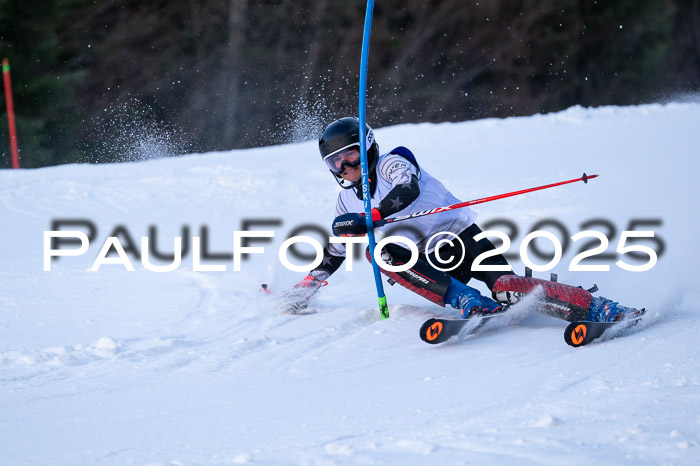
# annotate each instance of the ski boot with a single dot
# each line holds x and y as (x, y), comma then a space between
(469, 301)
(606, 310)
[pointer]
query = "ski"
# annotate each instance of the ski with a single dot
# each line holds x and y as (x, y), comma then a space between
(436, 330)
(583, 332)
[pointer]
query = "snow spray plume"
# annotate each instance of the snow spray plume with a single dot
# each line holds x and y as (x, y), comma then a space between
(129, 132)
(306, 122)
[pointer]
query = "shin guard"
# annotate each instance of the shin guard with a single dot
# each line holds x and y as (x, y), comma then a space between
(563, 301)
(421, 278)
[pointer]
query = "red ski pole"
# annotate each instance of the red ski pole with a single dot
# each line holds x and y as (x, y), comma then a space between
(437, 210)
(10, 112)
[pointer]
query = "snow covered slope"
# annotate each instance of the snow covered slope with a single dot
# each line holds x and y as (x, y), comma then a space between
(186, 367)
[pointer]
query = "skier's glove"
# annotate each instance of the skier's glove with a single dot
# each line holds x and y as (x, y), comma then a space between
(353, 224)
(297, 299)
(310, 282)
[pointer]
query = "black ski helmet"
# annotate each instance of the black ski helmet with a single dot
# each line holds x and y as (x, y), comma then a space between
(342, 134)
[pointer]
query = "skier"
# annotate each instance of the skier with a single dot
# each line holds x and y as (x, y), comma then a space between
(398, 185)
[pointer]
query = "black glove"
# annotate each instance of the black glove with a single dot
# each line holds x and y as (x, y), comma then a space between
(353, 224)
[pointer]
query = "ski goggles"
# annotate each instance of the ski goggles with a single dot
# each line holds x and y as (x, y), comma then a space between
(340, 160)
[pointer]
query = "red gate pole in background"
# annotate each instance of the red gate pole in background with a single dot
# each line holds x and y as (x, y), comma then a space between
(10, 112)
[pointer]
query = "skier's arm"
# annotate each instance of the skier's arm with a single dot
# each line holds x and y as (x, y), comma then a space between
(403, 176)
(297, 298)
(333, 257)
(328, 266)
(400, 196)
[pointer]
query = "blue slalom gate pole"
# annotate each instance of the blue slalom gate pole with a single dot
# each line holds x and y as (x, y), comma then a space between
(366, 196)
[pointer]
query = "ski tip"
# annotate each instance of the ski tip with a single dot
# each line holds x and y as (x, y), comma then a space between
(264, 289)
(584, 332)
(430, 331)
(575, 334)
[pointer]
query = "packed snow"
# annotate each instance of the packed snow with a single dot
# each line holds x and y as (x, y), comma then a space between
(198, 367)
